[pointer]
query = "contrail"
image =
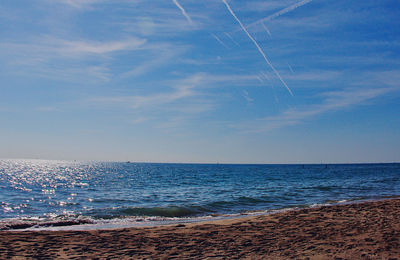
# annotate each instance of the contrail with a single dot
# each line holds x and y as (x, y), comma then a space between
(271, 85)
(219, 40)
(275, 96)
(230, 37)
(281, 12)
(258, 46)
(266, 29)
(246, 96)
(265, 76)
(290, 67)
(183, 11)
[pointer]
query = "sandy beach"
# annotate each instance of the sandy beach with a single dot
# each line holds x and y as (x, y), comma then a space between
(368, 230)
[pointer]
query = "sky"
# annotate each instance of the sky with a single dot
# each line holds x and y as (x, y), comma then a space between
(211, 81)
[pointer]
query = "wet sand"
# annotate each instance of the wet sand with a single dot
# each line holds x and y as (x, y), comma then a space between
(369, 230)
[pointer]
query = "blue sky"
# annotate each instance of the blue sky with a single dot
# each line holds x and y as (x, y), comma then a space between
(183, 81)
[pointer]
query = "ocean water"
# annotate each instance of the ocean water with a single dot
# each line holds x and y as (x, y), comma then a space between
(41, 193)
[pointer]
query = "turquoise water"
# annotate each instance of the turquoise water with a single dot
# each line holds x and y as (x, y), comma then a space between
(39, 192)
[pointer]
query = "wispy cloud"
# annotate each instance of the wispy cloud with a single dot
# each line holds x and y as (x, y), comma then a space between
(48, 109)
(388, 77)
(83, 4)
(208, 80)
(90, 74)
(332, 101)
(80, 3)
(313, 75)
(66, 59)
(181, 98)
(47, 47)
(82, 47)
(163, 21)
(182, 90)
(165, 25)
(157, 55)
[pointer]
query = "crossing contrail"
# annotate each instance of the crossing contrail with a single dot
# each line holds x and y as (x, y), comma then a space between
(182, 10)
(219, 40)
(230, 37)
(258, 46)
(290, 67)
(246, 96)
(266, 29)
(265, 76)
(281, 12)
(271, 85)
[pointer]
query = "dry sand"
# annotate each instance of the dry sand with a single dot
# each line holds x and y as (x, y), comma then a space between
(369, 230)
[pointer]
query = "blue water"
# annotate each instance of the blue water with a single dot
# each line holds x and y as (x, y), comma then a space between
(51, 191)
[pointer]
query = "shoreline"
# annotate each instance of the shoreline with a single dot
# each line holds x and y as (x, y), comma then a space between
(362, 230)
(18, 225)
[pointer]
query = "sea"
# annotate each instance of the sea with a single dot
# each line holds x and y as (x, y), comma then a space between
(57, 195)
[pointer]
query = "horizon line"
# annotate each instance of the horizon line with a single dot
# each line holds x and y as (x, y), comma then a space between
(204, 163)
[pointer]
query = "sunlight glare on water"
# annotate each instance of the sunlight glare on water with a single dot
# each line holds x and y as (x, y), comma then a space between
(106, 190)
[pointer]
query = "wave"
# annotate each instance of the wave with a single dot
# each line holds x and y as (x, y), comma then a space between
(181, 211)
(13, 224)
(132, 214)
(135, 217)
(171, 211)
